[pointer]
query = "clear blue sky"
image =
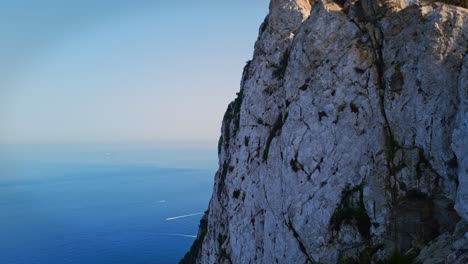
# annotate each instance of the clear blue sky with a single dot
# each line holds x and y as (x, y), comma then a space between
(120, 71)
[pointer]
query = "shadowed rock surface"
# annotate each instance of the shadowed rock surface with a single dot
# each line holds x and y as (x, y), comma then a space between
(347, 142)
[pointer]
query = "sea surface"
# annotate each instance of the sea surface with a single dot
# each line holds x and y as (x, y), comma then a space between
(101, 204)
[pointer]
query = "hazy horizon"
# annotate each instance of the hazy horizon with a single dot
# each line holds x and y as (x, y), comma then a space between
(115, 72)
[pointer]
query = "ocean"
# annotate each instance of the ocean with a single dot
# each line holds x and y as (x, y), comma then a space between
(101, 204)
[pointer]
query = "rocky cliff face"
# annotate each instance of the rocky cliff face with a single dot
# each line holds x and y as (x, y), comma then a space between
(348, 140)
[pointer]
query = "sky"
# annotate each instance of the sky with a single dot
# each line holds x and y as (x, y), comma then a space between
(119, 71)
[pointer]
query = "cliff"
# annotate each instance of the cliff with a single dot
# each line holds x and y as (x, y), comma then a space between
(347, 142)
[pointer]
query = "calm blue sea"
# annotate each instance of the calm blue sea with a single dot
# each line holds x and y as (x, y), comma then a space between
(101, 204)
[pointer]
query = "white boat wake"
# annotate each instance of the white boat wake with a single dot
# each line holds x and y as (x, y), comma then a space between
(182, 216)
(180, 235)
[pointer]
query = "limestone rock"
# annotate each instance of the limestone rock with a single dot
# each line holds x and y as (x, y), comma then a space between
(348, 138)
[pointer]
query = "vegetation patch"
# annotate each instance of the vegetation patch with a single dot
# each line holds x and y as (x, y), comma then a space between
(359, 70)
(196, 247)
(397, 80)
(246, 141)
(392, 148)
(416, 195)
(231, 117)
(354, 108)
(351, 210)
(321, 115)
(422, 164)
(222, 177)
(342, 107)
(398, 258)
(365, 257)
(236, 194)
(453, 163)
(275, 131)
(280, 69)
(222, 251)
(304, 87)
(295, 165)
